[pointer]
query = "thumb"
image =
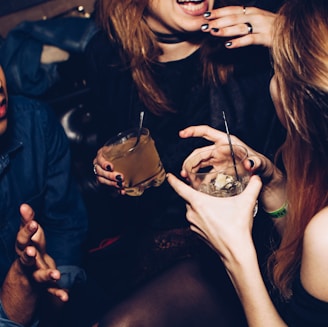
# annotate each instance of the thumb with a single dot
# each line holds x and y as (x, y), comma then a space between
(27, 213)
(184, 190)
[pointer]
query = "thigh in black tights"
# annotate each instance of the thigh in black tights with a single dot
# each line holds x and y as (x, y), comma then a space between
(189, 294)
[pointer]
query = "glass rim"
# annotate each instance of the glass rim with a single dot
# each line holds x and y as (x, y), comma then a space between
(123, 136)
(213, 170)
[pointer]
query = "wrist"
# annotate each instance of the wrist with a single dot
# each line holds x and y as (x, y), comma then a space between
(273, 195)
(24, 274)
(241, 252)
(278, 213)
(18, 279)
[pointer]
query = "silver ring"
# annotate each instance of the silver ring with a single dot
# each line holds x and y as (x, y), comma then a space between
(244, 10)
(95, 169)
(249, 28)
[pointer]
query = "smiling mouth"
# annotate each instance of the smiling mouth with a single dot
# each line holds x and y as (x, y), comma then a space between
(193, 7)
(3, 106)
(189, 1)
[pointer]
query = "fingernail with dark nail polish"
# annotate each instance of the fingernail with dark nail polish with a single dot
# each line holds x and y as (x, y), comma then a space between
(109, 168)
(215, 30)
(204, 27)
(207, 14)
(251, 162)
(228, 44)
(119, 184)
(118, 178)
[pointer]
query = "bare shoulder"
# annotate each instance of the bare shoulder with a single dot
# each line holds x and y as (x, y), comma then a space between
(318, 227)
(314, 266)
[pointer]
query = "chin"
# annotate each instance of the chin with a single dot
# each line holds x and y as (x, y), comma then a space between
(192, 25)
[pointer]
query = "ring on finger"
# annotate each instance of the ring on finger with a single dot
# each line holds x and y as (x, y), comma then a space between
(244, 10)
(95, 169)
(249, 28)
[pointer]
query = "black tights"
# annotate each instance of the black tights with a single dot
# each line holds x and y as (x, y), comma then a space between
(191, 293)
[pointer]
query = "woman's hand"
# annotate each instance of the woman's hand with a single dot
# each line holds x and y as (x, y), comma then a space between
(273, 192)
(245, 25)
(104, 170)
(225, 223)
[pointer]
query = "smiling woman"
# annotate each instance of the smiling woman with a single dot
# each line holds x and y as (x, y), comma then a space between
(133, 67)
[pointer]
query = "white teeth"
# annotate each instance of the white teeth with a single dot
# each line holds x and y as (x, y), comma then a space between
(191, 5)
(185, 1)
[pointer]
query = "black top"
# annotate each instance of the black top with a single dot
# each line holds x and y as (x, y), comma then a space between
(303, 310)
(245, 100)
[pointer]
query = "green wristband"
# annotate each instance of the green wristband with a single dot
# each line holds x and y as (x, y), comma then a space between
(281, 212)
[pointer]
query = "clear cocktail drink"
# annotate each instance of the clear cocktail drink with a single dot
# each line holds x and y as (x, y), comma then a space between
(219, 172)
(215, 171)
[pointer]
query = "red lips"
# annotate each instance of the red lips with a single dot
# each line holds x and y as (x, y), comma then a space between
(3, 106)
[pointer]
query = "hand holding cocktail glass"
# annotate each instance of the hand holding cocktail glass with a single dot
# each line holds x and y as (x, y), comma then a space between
(220, 170)
(273, 179)
(220, 221)
(139, 164)
(223, 192)
(214, 171)
(132, 162)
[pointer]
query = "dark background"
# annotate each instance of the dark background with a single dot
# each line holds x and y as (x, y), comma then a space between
(9, 6)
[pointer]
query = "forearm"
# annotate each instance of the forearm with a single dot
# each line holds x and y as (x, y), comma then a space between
(246, 277)
(19, 295)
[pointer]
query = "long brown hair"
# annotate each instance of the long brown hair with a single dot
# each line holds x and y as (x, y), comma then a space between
(300, 54)
(139, 49)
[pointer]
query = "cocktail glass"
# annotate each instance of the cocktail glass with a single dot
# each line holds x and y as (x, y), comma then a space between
(140, 165)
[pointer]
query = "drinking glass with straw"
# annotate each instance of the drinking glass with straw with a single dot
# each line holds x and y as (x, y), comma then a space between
(219, 170)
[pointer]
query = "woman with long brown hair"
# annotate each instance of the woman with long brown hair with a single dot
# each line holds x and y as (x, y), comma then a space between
(182, 63)
(297, 200)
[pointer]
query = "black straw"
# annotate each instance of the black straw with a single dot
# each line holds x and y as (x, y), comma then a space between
(230, 145)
